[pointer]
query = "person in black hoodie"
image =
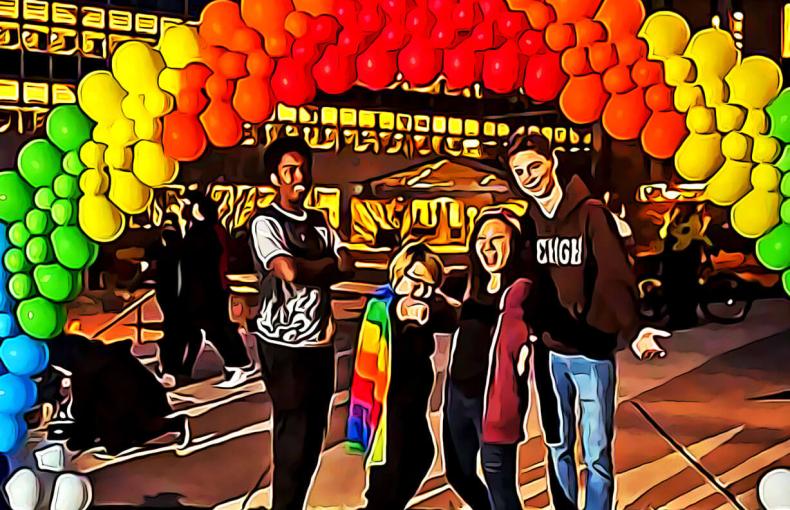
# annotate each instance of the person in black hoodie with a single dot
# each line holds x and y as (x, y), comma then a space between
(588, 303)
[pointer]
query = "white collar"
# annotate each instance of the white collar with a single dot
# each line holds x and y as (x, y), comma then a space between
(298, 217)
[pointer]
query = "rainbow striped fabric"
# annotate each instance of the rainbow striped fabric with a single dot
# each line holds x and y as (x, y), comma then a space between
(366, 430)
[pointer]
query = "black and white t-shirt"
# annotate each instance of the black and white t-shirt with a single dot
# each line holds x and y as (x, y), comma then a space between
(292, 314)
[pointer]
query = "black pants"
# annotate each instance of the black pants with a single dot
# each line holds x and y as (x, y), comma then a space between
(409, 450)
(220, 331)
(173, 344)
(499, 467)
(461, 434)
(300, 382)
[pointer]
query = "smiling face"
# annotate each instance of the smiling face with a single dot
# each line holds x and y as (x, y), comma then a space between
(293, 177)
(492, 245)
(534, 173)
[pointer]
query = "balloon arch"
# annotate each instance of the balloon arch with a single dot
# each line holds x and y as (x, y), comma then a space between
(723, 118)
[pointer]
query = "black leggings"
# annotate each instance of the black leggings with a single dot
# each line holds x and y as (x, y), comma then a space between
(462, 430)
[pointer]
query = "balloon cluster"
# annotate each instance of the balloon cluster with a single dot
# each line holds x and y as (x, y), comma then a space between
(20, 358)
(39, 203)
(124, 157)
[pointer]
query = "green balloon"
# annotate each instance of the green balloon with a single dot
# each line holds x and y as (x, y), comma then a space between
(786, 281)
(72, 164)
(54, 282)
(66, 186)
(16, 197)
(94, 253)
(773, 249)
(43, 198)
(64, 211)
(38, 222)
(76, 289)
(784, 161)
(38, 250)
(39, 163)
(20, 286)
(784, 186)
(779, 114)
(72, 247)
(18, 234)
(68, 127)
(785, 211)
(15, 261)
(41, 318)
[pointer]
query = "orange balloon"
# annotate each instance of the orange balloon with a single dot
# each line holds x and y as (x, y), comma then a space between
(218, 21)
(583, 99)
(245, 41)
(617, 80)
(626, 114)
(622, 18)
(222, 124)
(183, 137)
(219, 88)
(191, 101)
(663, 134)
(278, 44)
(266, 16)
(260, 64)
(589, 31)
(574, 61)
(296, 23)
(194, 76)
(232, 65)
(602, 56)
(630, 49)
(659, 98)
(211, 55)
(539, 14)
(315, 7)
(574, 10)
(253, 99)
(647, 72)
(560, 36)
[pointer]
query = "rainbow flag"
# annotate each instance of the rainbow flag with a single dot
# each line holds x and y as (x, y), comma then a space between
(366, 430)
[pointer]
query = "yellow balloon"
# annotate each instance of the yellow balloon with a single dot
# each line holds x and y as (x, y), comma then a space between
(756, 213)
(730, 183)
(118, 156)
(102, 133)
(714, 54)
(170, 81)
(687, 96)
(94, 182)
(736, 146)
(100, 219)
(128, 193)
(121, 132)
(152, 166)
(755, 82)
(729, 117)
(678, 70)
(766, 149)
(92, 154)
(699, 156)
(701, 119)
(766, 177)
(180, 46)
(100, 95)
(136, 66)
(666, 33)
(158, 103)
(756, 123)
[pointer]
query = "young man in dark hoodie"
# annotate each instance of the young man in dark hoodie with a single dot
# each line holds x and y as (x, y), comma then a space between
(587, 303)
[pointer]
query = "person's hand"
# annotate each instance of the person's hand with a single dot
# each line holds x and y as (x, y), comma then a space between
(646, 346)
(412, 309)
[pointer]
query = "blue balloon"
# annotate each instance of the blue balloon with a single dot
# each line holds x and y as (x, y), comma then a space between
(17, 393)
(12, 432)
(24, 356)
(8, 326)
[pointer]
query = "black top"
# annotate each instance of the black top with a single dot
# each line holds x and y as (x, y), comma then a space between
(472, 344)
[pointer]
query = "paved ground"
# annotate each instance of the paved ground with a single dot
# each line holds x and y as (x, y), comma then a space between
(694, 431)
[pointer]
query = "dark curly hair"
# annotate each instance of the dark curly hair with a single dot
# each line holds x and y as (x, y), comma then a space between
(280, 147)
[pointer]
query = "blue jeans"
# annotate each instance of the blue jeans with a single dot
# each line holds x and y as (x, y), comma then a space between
(592, 382)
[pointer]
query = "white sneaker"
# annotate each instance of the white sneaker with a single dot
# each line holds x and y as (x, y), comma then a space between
(235, 377)
(168, 381)
(185, 436)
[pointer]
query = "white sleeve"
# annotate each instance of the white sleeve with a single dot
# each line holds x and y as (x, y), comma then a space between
(331, 238)
(268, 239)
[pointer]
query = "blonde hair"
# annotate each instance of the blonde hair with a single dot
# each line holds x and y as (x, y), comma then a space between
(410, 254)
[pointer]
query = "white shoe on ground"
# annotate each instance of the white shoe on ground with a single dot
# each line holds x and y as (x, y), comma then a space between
(236, 376)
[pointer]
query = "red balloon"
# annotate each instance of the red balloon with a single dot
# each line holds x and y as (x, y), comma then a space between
(349, 41)
(617, 80)
(462, 66)
(466, 15)
(442, 9)
(218, 21)
(376, 68)
(305, 51)
(503, 68)
(324, 29)
(511, 24)
(482, 37)
(626, 114)
(419, 62)
(232, 65)
(663, 134)
(443, 35)
(395, 9)
(393, 37)
(560, 36)
(219, 88)
(583, 99)
(544, 78)
(647, 72)
(491, 8)
(183, 137)
(292, 84)
(370, 19)
(419, 22)
(531, 43)
(575, 62)
(252, 99)
(191, 101)
(222, 124)
(194, 76)
(602, 56)
(346, 12)
(260, 64)
(335, 72)
(659, 98)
